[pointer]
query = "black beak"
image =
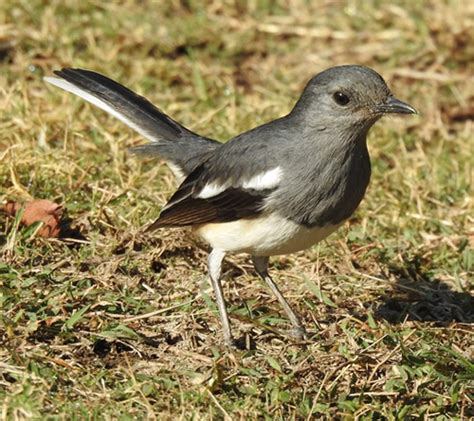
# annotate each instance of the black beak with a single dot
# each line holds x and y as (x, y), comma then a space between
(393, 105)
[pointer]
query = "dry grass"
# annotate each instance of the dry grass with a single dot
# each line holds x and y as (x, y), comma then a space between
(121, 325)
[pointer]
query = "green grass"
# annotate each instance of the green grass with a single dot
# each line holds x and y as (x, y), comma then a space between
(122, 325)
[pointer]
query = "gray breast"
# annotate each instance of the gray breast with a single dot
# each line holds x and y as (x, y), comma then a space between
(327, 188)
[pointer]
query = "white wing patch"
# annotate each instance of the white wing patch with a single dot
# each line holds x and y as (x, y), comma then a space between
(211, 190)
(262, 181)
(69, 87)
(265, 180)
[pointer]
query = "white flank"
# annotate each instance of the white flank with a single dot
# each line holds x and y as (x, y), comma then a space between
(211, 190)
(69, 87)
(265, 180)
(267, 235)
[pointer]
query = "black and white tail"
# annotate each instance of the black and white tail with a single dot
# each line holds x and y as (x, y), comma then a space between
(182, 149)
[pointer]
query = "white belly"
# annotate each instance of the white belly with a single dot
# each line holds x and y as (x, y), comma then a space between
(264, 236)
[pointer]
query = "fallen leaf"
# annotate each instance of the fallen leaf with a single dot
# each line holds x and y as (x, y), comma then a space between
(41, 210)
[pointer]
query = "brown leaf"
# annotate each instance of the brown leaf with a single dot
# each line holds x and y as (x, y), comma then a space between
(41, 210)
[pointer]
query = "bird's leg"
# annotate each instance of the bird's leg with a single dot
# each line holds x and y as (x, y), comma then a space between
(215, 264)
(261, 266)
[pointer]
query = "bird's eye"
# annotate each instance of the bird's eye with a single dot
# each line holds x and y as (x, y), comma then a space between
(341, 98)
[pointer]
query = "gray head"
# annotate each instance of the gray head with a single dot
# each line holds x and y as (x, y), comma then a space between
(348, 97)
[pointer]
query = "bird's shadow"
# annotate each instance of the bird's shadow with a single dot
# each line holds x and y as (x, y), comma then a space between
(417, 296)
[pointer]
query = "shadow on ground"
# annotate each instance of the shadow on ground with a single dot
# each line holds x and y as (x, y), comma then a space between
(419, 297)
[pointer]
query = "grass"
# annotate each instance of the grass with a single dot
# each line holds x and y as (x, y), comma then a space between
(123, 326)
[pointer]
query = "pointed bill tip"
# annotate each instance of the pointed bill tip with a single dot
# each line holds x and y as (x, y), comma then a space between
(394, 106)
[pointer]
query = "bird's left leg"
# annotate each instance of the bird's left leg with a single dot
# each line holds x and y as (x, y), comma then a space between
(215, 263)
(261, 266)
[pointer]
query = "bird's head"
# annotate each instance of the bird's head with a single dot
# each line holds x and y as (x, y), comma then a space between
(348, 97)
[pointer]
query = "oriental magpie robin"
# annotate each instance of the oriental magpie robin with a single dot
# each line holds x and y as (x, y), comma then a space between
(276, 189)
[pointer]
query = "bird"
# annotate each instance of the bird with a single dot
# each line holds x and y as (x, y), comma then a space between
(276, 189)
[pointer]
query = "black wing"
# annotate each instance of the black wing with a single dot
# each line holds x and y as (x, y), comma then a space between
(185, 208)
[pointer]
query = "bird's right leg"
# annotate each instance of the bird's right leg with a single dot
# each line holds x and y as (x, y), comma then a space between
(215, 265)
(261, 266)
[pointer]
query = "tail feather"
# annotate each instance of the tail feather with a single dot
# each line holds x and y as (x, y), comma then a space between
(170, 140)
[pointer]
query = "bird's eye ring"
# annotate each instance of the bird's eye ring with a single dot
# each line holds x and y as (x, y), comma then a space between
(341, 98)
